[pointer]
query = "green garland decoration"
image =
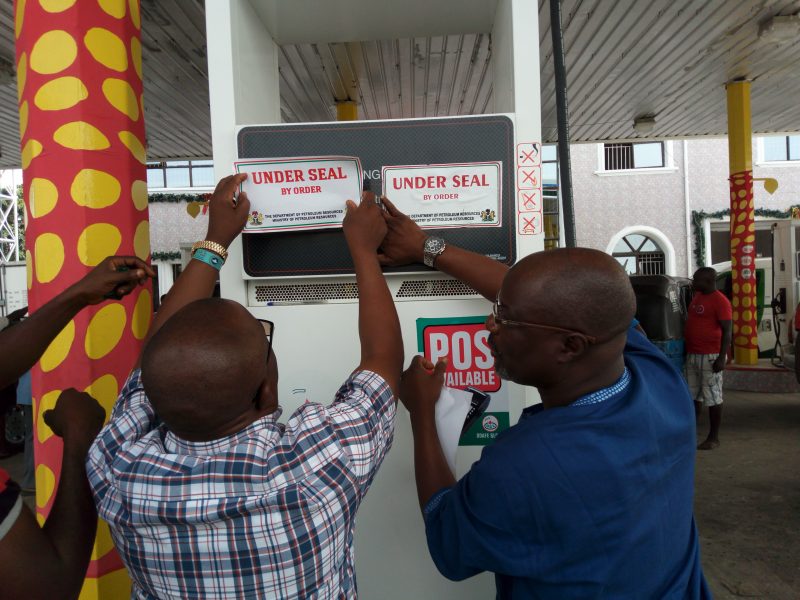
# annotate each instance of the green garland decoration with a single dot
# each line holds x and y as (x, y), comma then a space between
(177, 198)
(698, 216)
(165, 256)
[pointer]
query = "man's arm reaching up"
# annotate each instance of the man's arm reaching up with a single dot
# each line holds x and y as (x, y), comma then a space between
(113, 278)
(378, 325)
(226, 219)
(404, 244)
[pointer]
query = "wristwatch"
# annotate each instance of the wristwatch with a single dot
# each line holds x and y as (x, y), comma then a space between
(434, 246)
(211, 246)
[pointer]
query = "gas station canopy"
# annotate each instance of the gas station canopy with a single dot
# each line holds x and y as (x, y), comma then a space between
(665, 59)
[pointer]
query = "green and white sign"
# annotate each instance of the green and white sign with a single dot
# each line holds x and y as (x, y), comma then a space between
(464, 342)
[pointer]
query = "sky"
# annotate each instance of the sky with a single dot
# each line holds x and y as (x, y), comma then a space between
(10, 177)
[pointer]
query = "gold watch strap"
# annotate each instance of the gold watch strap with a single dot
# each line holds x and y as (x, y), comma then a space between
(211, 247)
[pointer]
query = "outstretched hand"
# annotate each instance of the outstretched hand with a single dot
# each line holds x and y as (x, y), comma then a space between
(77, 418)
(364, 227)
(405, 241)
(227, 215)
(114, 278)
(421, 385)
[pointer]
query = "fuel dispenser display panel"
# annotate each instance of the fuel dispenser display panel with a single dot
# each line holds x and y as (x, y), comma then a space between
(418, 162)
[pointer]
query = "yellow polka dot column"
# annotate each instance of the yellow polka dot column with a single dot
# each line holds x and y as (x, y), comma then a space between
(79, 79)
(743, 230)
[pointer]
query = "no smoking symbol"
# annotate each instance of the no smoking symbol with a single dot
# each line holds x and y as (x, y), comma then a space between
(529, 154)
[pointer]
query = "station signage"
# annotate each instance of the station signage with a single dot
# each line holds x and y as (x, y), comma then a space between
(447, 195)
(464, 342)
(295, 194)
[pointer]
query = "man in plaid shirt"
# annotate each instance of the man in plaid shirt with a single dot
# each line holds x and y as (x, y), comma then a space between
(206, 493)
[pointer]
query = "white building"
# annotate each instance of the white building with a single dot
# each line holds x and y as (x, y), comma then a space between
(636, 200)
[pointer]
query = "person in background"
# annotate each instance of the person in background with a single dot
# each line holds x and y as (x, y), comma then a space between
(708, 332)
(25, 400)
(50, 561)
(214, 498)
(590, 494)
(8, 392)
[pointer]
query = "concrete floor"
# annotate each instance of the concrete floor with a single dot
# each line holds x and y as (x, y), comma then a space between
(747, 498)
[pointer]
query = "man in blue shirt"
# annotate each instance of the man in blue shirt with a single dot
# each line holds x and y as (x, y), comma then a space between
(590, 494)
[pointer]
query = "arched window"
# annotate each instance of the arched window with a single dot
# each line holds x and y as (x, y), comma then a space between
(640, 255)
(643, 250)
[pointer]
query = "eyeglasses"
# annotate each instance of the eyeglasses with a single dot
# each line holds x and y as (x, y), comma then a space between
(590, 339)
(269, 328)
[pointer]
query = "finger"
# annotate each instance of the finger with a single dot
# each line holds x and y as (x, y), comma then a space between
(426, 364)
(367, 197)
(222, 182)
(385, 261)
(48, 418)
(132, 262)
(421, 363)
(390, 208)
(242, 202)
(134, 275)
(350, 205)
(123, 290)
(440, 368)
(417, 362)
(229, 188)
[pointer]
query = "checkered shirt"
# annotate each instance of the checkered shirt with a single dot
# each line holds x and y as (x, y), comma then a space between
(265, 513)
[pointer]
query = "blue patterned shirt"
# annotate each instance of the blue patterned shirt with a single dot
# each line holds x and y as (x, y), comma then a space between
(265, 513)
(590, 500)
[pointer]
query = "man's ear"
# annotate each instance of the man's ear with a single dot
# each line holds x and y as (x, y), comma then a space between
(573, 346)
(266, 398)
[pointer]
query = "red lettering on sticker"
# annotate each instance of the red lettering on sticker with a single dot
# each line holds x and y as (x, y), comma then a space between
(470, 361)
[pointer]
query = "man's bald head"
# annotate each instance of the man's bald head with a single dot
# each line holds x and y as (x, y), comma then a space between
(206, 369)
(575, 288)
(572, 290)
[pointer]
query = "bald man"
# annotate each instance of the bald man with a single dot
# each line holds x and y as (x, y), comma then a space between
(590, 494)
(206, 493)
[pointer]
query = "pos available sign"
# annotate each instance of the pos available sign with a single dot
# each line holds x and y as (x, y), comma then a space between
(464, 341)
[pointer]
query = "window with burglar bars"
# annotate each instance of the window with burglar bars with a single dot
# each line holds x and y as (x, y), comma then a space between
(640, 255)
(180, 174)
(633, 155)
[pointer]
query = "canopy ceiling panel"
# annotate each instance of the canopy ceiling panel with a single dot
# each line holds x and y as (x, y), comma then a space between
(668, 59)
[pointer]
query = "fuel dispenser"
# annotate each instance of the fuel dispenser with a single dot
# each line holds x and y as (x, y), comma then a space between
(303, 280)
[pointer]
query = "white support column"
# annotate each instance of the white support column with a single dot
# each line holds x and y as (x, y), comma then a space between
(243, 82)
(165, 277)
(515, 62)
(515, 49)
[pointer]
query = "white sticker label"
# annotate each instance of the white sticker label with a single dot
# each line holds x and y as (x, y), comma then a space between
(290, 194)
(440, 196)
